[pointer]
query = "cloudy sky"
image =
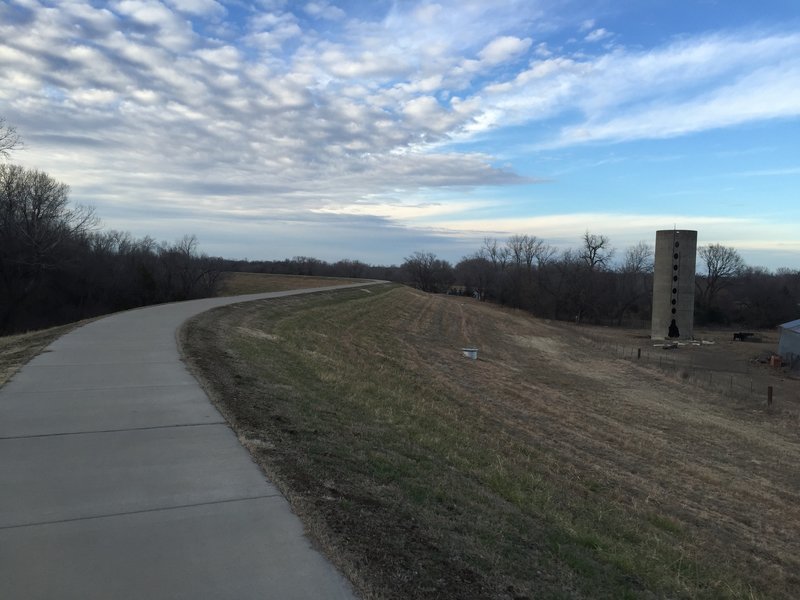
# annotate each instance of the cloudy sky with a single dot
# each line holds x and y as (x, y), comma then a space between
(371, 129)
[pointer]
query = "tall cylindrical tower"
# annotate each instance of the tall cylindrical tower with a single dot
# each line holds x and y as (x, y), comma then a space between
(673, 284)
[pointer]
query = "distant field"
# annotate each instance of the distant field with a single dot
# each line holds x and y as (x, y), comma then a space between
(235, 284)
(547, 468)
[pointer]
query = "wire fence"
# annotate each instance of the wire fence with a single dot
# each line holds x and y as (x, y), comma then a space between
(752, 386)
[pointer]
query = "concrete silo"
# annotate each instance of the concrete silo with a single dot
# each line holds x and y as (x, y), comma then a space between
(673, 284)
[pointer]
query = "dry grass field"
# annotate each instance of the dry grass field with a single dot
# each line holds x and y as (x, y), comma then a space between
(234, 283)
(551, 467)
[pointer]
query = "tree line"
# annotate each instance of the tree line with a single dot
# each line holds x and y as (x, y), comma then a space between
(57, 267)
(309, 266)
(586, 283)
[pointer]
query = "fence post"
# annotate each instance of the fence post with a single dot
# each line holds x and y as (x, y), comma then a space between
(769, 395)
(639, 353)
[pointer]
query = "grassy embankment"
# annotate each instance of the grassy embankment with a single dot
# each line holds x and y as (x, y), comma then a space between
(543, 469)
(235, 284)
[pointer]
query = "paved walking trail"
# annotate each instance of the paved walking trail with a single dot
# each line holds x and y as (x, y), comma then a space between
(119, 479)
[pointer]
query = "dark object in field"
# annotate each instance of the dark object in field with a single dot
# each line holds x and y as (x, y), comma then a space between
(742, 336)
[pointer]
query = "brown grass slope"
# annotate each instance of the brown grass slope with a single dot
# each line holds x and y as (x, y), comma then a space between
(234, 283)
(542, 470)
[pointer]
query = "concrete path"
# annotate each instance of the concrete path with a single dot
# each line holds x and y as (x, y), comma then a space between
(119, 479)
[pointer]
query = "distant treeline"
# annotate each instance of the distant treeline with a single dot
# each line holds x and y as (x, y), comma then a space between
(55, 267)
(305, 265)
(585, 284)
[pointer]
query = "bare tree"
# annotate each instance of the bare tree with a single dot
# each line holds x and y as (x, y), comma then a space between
(186, 273)
(595, 255)
(723, 264)
(37, 225)
(36, 214)
(499, 255)
(429, 273)
(596, 252)
(525, 249)
(9, 138)
(476, 273)
(634, 282)
(517, 283)
(516, 249)
(638, 259)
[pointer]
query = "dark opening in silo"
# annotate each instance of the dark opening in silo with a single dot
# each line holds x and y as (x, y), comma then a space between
(673, 329)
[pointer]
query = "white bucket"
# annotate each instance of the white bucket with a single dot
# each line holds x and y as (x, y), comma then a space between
(470, 353)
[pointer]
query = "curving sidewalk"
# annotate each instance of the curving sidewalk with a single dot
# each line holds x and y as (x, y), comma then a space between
(119, 479)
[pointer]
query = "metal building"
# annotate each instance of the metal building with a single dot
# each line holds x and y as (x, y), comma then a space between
(673, 284)
(789, 344)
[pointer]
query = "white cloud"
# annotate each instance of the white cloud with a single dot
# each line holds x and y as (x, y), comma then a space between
(768, 93)
(503, 48)
(688, 86)
(171, 31)
(12, 56)
(789, 171)
(275, 115)
(18, 81)
(324, 10)
(423, 108)
(597, 35)
(225, 57)
(341, 63)
(145, 96)
(87, 17)
(428, 14)
(93, 96)
(401, 211)
(204, 8)
(147, 12)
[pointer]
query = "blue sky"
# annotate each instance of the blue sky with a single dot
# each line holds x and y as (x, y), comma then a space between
(369, 130)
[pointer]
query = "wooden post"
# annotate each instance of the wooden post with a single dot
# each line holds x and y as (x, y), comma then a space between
(639, 353)
(769, 395)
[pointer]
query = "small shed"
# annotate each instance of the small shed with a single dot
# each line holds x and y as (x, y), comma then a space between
(789, 344)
